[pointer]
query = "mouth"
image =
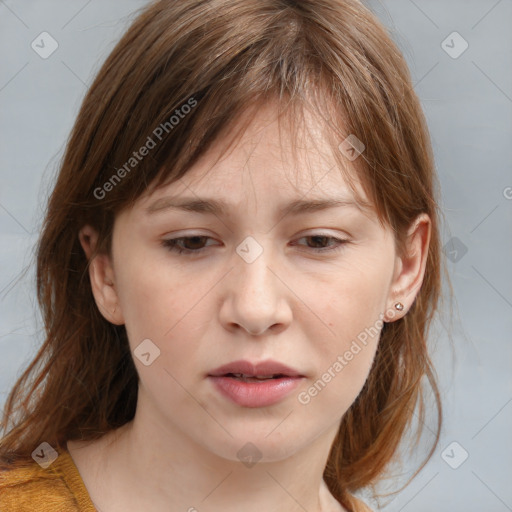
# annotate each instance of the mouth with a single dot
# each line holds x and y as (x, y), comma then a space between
(255, 378)
(255, 384)
(260, 371)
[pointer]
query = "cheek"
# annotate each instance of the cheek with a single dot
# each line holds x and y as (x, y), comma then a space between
(343, 357)
(331, 394)
(159, 307)
(165, 307)
(350, 304)
(347, 300)
(149, 301)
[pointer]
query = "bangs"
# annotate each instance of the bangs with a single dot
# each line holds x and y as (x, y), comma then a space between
(300, 121)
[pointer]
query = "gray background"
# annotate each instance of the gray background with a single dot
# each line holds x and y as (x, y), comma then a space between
(468, 104)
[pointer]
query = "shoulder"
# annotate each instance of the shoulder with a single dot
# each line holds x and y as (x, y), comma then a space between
(24, 489)
(31, 487)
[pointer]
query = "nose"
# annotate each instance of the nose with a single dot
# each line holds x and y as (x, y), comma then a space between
(257, 298)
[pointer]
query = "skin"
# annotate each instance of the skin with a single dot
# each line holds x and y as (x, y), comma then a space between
(291, 304)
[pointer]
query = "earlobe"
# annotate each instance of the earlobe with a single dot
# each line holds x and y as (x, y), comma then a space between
(410, 269)
(101, 275)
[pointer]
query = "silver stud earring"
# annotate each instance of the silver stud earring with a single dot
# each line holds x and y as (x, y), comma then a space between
(399, 306)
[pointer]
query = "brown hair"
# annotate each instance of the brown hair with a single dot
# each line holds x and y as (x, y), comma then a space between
(220, 57)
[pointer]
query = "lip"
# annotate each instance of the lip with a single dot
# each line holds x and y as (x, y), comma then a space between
(263, 368)
(254, 393)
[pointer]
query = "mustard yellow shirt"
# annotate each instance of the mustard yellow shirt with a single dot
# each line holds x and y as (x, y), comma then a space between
(58, 488)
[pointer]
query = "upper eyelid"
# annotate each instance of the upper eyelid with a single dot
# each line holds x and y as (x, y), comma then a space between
(303, 235)
(338, 238)
(308, 232)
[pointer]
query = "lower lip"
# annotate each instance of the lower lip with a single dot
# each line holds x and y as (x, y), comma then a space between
(255, 394)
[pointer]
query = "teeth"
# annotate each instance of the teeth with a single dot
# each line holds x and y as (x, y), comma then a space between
(259, 377)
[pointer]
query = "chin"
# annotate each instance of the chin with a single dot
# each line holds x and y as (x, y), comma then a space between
(251, 446)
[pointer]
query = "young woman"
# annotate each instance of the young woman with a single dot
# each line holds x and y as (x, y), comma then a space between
(238, 268)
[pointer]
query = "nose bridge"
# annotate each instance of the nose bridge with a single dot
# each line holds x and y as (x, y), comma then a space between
(254, 257)
(255, 294)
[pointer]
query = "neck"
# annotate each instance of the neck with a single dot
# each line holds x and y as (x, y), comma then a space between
(142, 466)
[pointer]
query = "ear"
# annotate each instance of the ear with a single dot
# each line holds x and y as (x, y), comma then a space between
(409, 268)
(101, 274)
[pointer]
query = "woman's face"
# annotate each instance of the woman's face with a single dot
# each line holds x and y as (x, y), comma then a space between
(255, 286)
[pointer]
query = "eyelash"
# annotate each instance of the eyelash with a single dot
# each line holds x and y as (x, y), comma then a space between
(171, 244)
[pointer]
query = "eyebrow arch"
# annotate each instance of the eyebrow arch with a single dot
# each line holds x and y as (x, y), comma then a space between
(218, 208)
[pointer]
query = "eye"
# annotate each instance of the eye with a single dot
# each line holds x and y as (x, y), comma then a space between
(321, 240)
(193, 245)
(196, 244)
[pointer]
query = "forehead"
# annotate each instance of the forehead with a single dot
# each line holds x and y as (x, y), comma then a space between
(272, 159)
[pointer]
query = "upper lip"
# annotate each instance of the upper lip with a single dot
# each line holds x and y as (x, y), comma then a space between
(261, 369)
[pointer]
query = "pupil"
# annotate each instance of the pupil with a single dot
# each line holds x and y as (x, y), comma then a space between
(190, 241)
(316, 238)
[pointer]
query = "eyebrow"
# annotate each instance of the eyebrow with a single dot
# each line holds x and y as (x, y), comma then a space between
(214, 207)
